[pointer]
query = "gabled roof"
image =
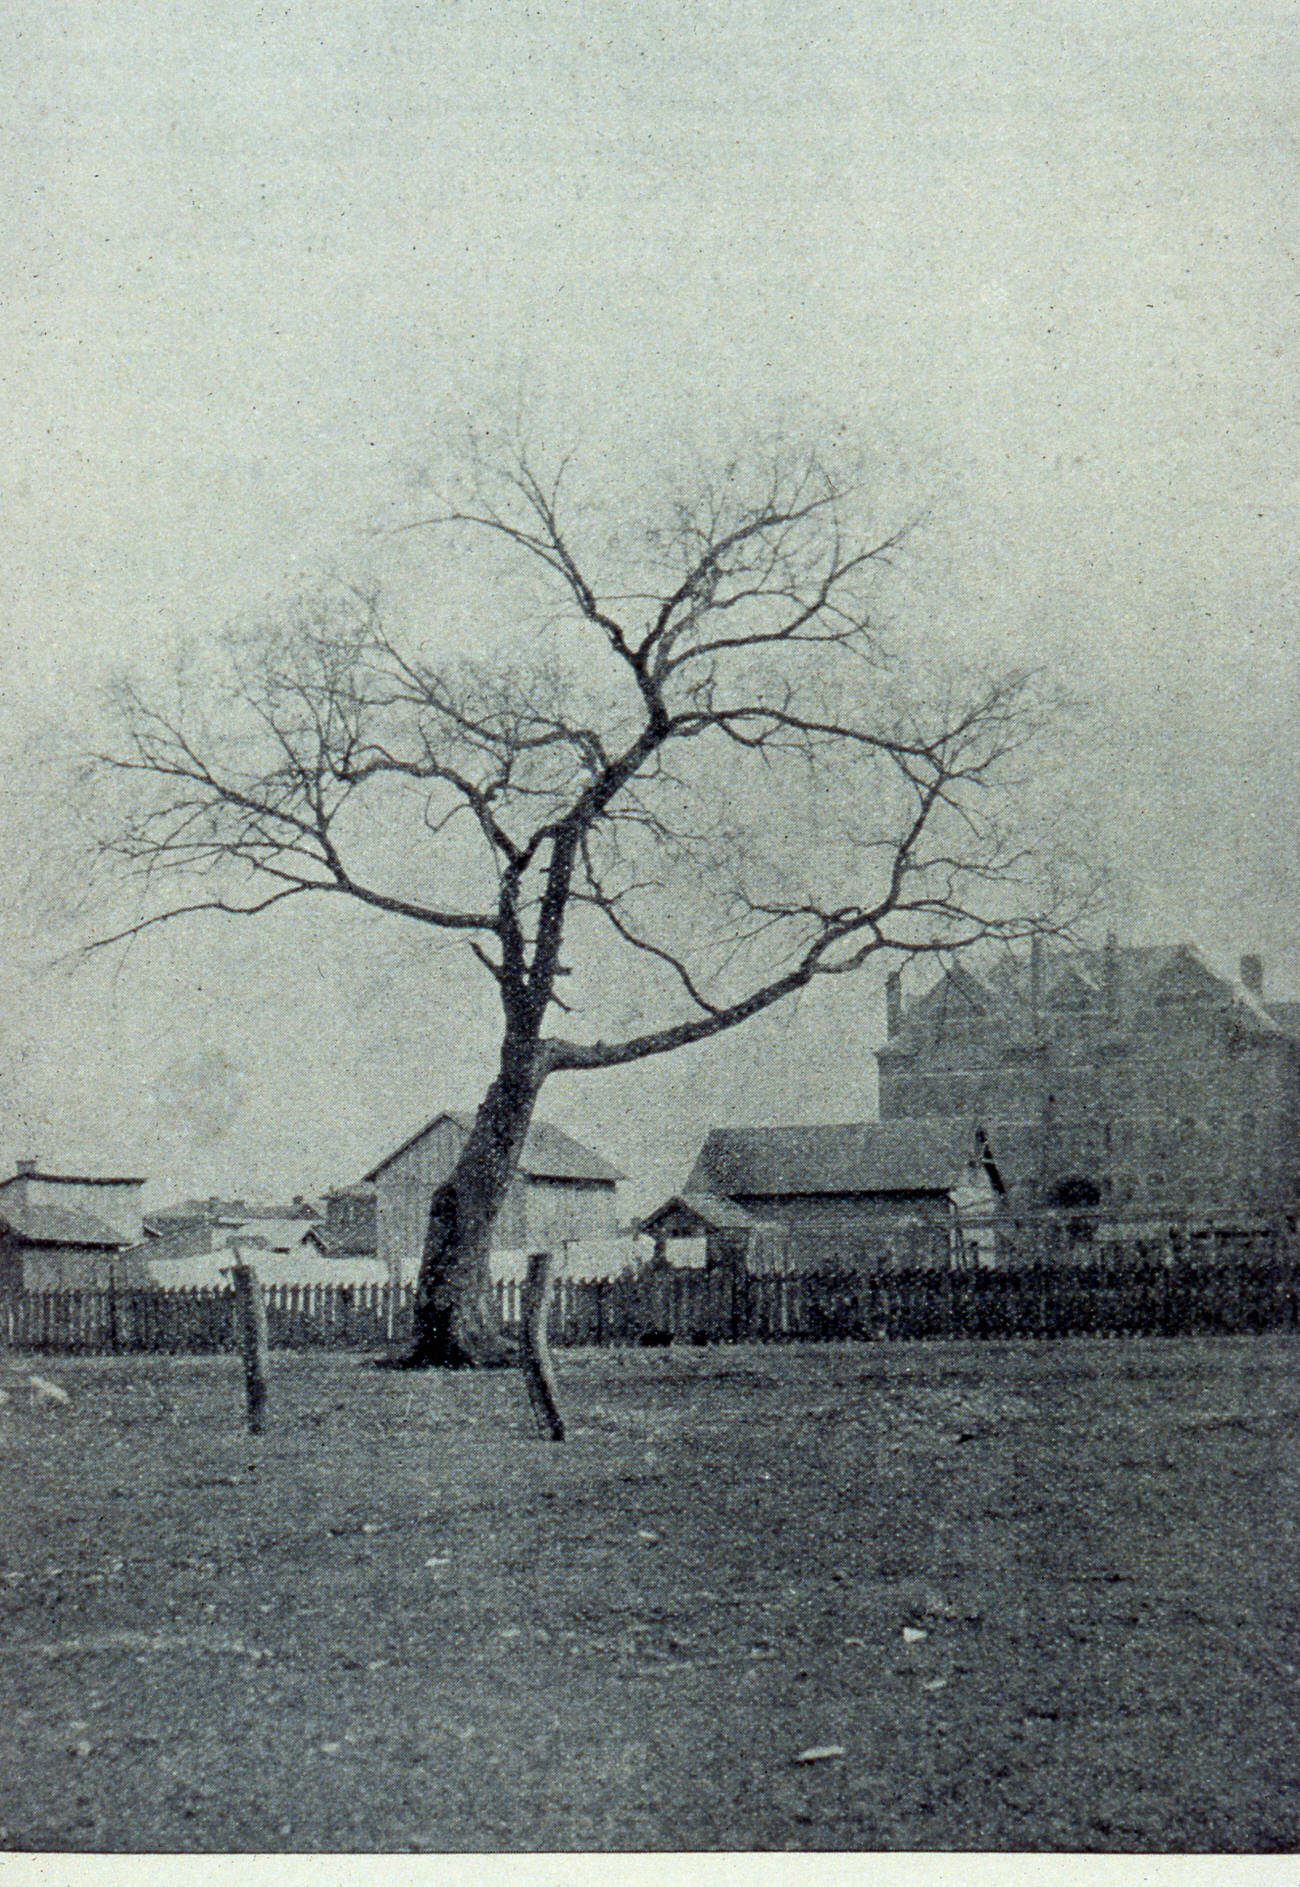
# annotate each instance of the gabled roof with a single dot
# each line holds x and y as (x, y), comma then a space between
(548, 1153)
(39, 1224)
(1145, 975)
(955, 992)
(923, 1155)
(1071, 987)
(713, 1213)
(334, 1244)
(177, 1241)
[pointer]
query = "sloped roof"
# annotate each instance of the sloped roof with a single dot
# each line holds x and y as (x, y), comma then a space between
(548, 1153)
(1286, 1015)
(717, 1215)
(1139, 971)
(225, 1212)
(178, 1241)
(39, 1224)
(75, 1179)
(334, 1244)
(923, 1155)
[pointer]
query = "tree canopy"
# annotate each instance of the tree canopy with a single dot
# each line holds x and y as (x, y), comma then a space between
(711, 762)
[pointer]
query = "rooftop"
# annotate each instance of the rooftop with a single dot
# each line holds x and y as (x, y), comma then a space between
(27, 1169)
(548, 1152)
(924, 1155)
(713, 1213)
(214, 1211)
(1131, 977)
(35, 1223)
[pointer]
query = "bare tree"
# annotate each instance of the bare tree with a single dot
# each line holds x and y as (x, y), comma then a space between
(719, 767)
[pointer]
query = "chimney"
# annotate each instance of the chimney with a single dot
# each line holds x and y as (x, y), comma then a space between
(1251, 970)
(26, 1168)
(1110, 977)
(893, 1002)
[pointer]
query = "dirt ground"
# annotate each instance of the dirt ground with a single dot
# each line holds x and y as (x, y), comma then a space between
(1037, 1596)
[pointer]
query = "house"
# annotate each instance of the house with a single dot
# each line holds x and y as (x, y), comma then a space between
(1137, 1081)
(864, 1195)
(283, 1226)
(199, 1258)
(562, 1196)
(68, 1232)
(193, 1244)
(350, 1228)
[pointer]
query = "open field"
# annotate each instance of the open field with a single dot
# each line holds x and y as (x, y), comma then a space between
(1044, 1596)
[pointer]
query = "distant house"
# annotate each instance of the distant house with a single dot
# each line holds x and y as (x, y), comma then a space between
(285, 1225)
(192, 1244)
(857, 1195)
(201, 1259)
(68, 1232)
(562, 1194)
(350, 1228)
(1131, 1080)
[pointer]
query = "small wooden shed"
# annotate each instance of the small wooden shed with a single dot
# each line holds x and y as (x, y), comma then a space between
(730, 1237)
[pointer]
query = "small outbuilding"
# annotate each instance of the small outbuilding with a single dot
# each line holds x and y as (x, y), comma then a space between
(860, 1195)
(697, 1230)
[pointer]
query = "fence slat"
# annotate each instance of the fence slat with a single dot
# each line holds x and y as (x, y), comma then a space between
(1243, 1286)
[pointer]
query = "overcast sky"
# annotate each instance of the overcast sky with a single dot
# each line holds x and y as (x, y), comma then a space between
(1042, 257)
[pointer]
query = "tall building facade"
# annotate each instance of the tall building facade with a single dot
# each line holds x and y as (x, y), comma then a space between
(1135, 1080)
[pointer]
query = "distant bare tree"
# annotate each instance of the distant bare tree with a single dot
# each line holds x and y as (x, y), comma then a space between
(719, 768)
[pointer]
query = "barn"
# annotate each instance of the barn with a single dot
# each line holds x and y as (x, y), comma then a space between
(562, 1194)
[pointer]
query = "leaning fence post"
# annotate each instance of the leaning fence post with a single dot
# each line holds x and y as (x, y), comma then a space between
(250, 1319)
(534, 1351)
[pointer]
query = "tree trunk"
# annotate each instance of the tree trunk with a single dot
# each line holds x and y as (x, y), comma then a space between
(457, 1323)
(535, 1351)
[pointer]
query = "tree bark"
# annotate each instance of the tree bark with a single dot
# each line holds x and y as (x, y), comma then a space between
(457, 1323)
(535, 1351)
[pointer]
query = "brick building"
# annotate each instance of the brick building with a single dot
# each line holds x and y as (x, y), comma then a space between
(1133, 1079)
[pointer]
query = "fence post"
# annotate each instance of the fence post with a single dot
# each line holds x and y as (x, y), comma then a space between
(250, 1314)
(534, 1351)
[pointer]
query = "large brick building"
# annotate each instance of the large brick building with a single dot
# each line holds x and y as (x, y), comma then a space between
(1136, 1080)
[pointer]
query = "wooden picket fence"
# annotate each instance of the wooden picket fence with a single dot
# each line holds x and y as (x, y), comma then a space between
(299, 1317)
(1120, 1297)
